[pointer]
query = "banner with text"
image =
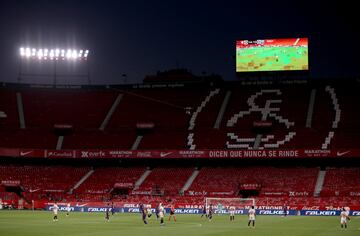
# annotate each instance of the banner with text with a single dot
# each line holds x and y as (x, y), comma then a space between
(182, 210)
(180, 154)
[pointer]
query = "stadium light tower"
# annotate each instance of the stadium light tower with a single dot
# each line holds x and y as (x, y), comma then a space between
(54, 55)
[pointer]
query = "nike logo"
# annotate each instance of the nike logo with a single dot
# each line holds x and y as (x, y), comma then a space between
(81, 205)
(339, 154)
(25, 153)
(33, 190)
(164, 154)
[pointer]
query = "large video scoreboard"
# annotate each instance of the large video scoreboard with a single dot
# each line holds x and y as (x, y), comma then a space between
(289, 54)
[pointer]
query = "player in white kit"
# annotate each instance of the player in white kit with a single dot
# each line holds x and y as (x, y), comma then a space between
(232, 213)
(148, 210)
(344, 217)
(55, 211)
(252, 215)
(161, 214)
(68, 209)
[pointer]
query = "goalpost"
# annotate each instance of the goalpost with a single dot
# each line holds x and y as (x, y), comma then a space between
(222, 205)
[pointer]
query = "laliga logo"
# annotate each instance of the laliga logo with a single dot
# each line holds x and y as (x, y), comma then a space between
(266, 112)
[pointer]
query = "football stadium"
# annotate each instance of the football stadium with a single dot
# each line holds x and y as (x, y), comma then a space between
(87, 149)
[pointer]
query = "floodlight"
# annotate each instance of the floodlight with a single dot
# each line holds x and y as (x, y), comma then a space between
(52, 54)
(40, 54)
(86, 54)
(68, 54)
(57, 53)
(74, 54)
(44, 53)
(28, 52)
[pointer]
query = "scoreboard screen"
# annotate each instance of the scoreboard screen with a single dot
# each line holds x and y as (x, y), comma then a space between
(272, 55)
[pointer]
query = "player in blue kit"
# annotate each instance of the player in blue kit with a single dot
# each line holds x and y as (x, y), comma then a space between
(210, 212)
(112, 208)
(285, 209)
(143, 212)
(204, 212)
(157, 211)
(107, 212)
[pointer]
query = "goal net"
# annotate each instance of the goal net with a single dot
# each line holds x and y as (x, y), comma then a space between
(222, 205)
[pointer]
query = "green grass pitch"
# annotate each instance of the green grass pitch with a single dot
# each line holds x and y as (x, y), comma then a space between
(39, 223)
(271, 59)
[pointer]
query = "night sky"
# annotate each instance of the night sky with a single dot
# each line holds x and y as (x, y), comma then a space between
(141, 37)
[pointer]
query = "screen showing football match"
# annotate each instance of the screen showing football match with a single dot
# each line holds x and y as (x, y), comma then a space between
(272, 55)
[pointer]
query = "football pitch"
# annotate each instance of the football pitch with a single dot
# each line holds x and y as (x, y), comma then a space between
(39, 223)
(272, 59)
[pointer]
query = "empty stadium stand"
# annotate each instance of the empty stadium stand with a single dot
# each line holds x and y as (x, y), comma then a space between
(228, 180)
(341, 182)
(166, 181)
(183, 118)
(103, 179)
(39, 182)
(277, 185)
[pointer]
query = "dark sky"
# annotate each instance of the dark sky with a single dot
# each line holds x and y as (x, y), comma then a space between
(141, 37)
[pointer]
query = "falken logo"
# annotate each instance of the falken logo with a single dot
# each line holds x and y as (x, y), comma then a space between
(339, 154)
(25, 153)
(165, 154)
(272, 212)
(96, 209)
(65, 208)
(237, 212)
(136, 210)
(187, 211)
(320, 213)
(355, 213)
